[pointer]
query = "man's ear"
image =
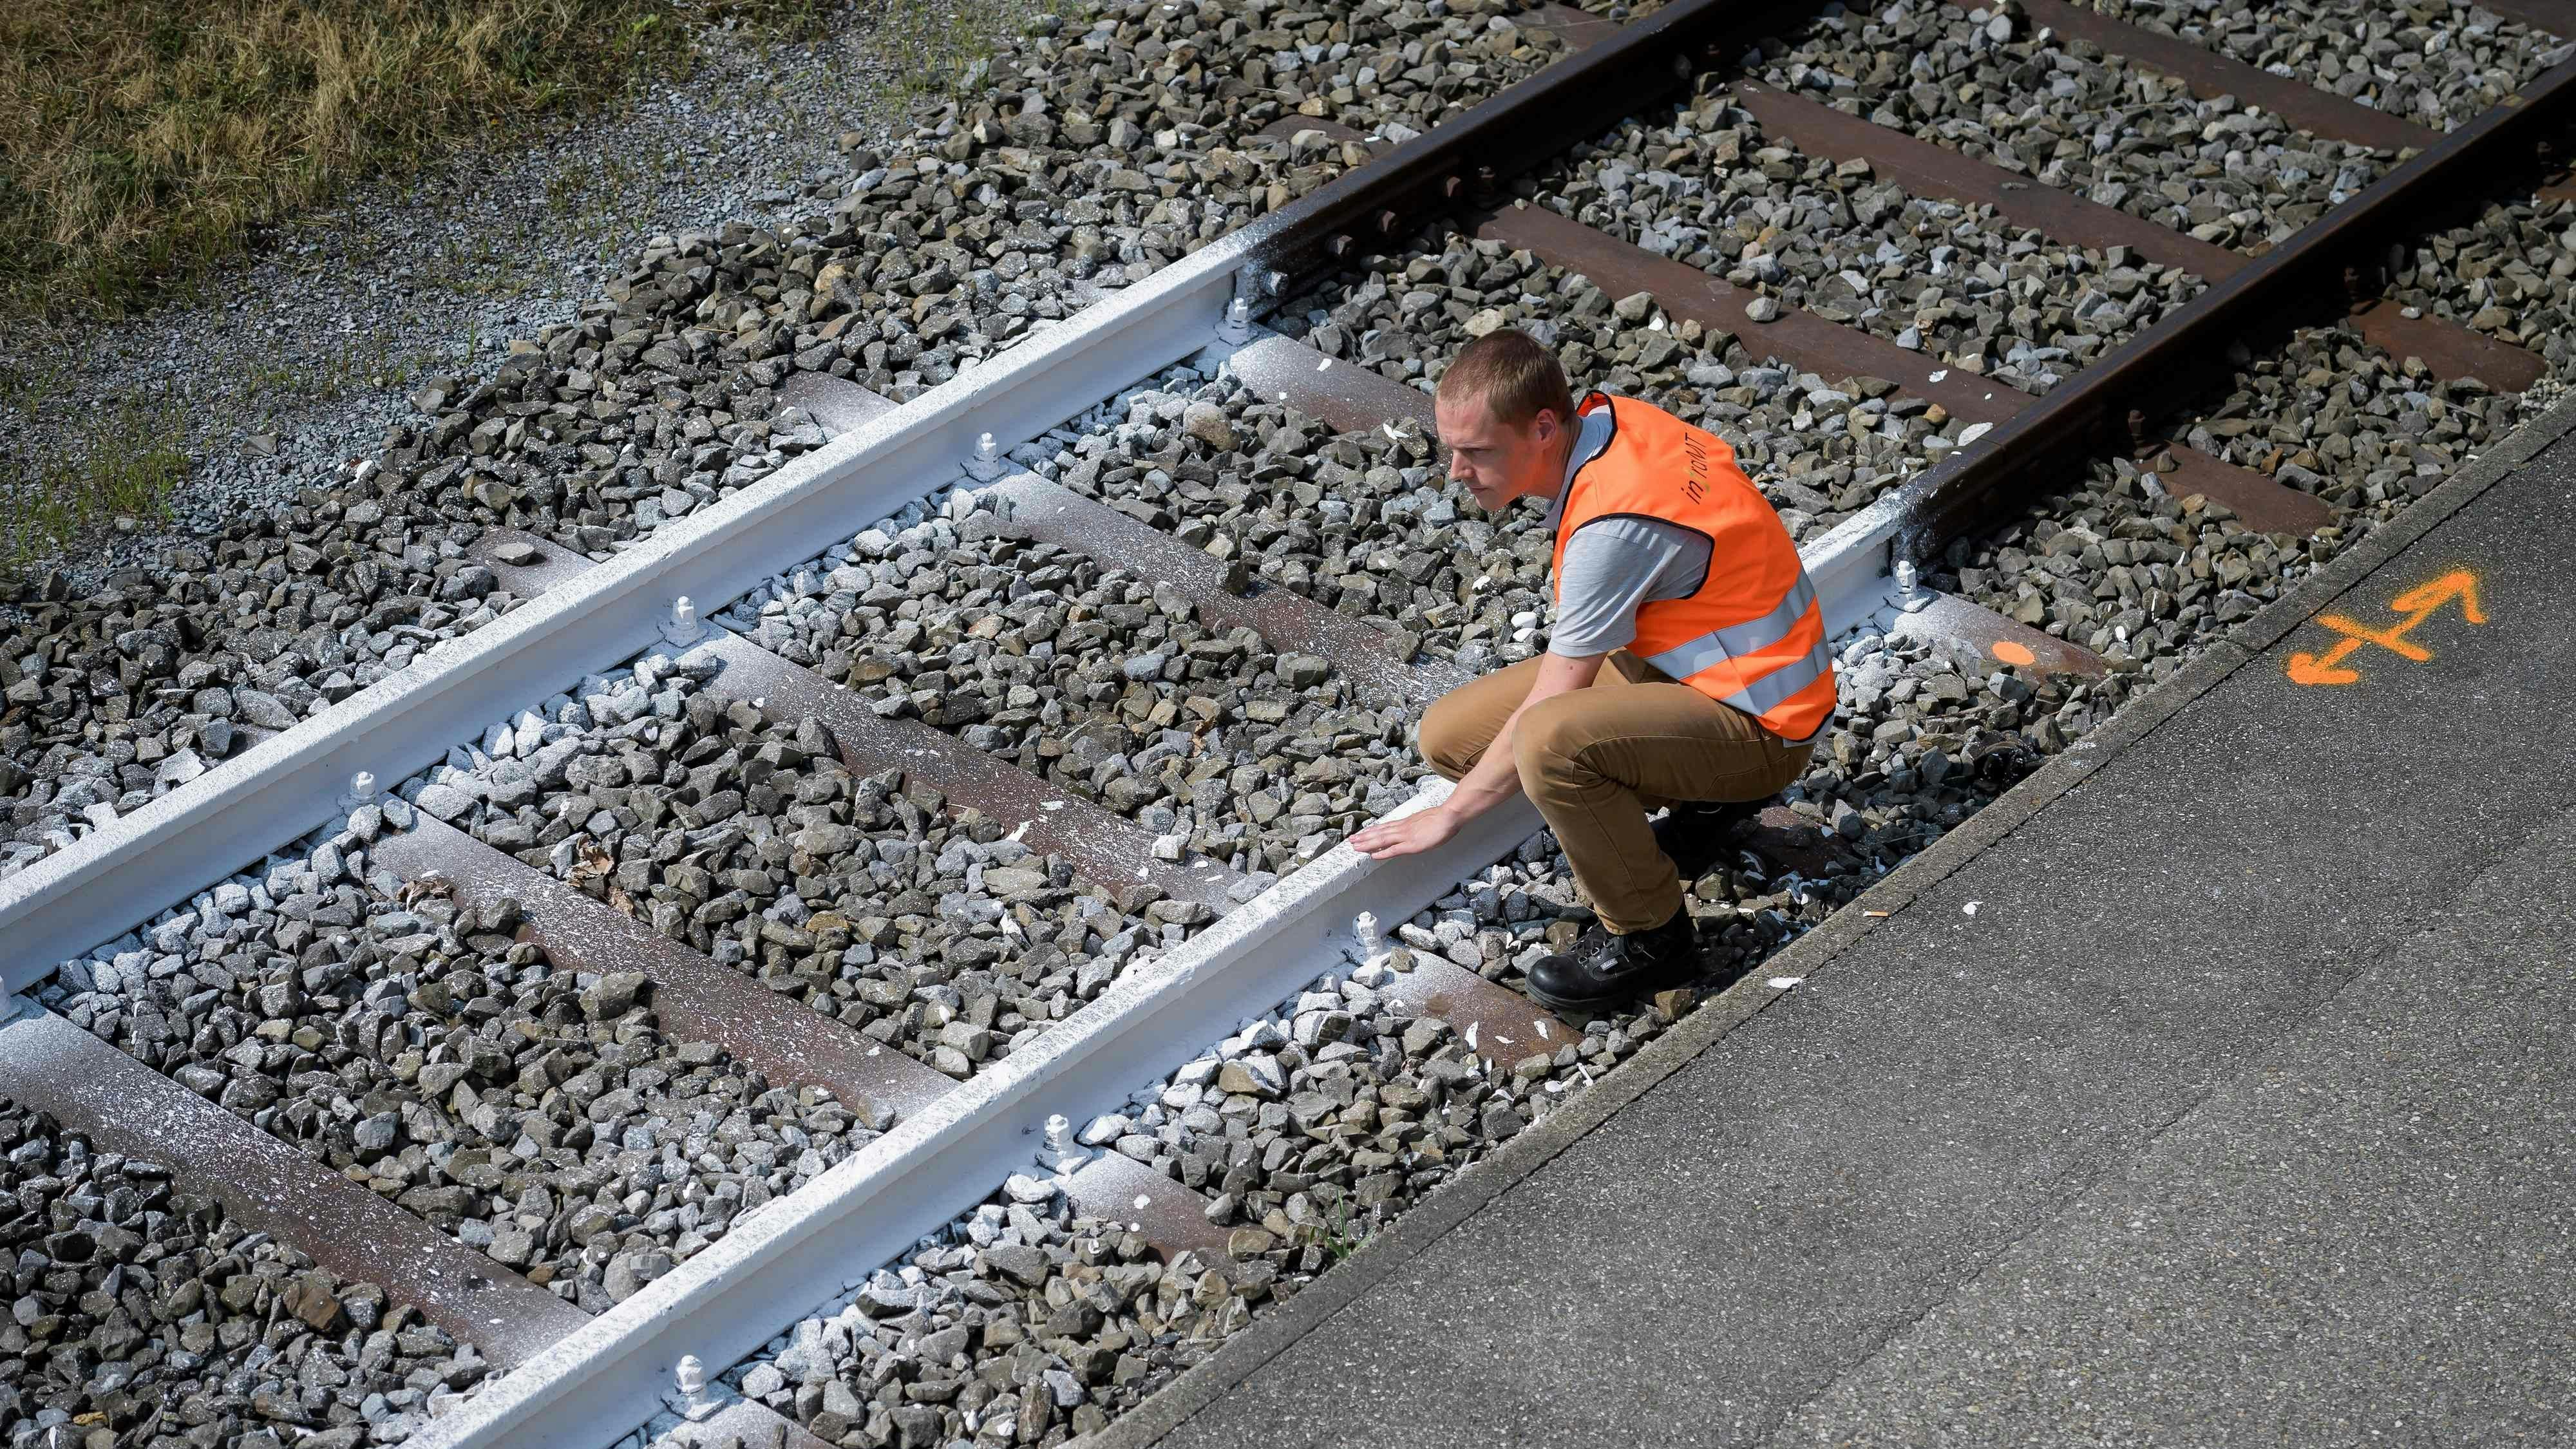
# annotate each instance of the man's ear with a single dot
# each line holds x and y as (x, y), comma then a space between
(1544, 423)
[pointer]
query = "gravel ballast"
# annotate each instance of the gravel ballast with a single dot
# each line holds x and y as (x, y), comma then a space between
(1703, 185)
(2065, 115)
(1308, 1129)
(2148, 579)
(536, 1115)
(303, 359)
(860, 895)
(1366, 522)
(656, 399)
(1820, 448)
(140, 1315)
(1099, 682)
(1021, 1323)
(2436, 64)
(2510, 273)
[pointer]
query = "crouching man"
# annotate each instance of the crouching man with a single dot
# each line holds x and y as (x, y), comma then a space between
(1687, 667)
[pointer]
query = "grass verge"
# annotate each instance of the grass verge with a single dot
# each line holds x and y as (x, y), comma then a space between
(141, 140)
(119, 463)
(145, 142)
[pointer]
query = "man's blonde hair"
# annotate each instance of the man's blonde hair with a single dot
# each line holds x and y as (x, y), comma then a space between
(1515, 376)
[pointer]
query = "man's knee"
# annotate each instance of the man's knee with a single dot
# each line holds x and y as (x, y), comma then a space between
(1548, 742)
(1450, 739)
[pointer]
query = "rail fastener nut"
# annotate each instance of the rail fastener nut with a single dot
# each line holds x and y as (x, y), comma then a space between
(1062, 1155)
(1236, 330)
(2139, 444)
(987, 464)
(691, 1399)
(361, 791)
(1911, 596)
(1371, 966)
(684, 627)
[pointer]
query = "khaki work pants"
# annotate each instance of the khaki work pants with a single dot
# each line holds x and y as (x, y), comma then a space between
(1596, 760)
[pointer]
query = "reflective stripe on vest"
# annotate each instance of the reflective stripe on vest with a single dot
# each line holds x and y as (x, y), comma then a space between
(1769, 657)
(1737, 640)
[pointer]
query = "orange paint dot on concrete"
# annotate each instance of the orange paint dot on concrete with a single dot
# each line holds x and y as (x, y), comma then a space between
(2011, 653)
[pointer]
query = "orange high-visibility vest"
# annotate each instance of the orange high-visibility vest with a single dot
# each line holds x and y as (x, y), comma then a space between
(1754, 635)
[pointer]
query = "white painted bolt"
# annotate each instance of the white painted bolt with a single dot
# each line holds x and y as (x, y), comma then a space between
(1371, 966)
(690, 1377)
(682, 628)
(361, 792)
(1909, 588)
(986, 464)
(1063, 1155)
(1238, 320)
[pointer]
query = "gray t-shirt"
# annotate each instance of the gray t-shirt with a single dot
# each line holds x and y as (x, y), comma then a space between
(1613, 565)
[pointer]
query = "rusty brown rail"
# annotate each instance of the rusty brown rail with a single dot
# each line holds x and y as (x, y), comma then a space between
(2164, 367)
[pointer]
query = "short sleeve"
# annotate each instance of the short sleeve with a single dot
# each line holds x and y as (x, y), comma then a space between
(1611, 568)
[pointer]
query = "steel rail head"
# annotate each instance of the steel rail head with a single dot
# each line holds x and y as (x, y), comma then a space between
(2165, 366)
(804, 1249)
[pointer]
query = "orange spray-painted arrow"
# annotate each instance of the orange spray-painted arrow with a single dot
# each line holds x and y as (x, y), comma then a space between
(2418, 604)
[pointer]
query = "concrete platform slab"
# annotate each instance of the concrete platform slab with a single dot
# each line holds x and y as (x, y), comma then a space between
(2365, 1238)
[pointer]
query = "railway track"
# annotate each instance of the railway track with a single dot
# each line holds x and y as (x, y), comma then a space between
(678, 1050)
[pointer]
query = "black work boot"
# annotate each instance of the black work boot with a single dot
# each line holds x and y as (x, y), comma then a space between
(1605, 969)
(1694, 832)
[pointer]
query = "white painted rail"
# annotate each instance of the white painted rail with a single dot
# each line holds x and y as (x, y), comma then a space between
(113, 879)
(808, 1248)
(803, 1250)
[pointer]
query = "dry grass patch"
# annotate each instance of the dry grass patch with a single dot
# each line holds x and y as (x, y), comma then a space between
(119, 469)
(141, 139)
